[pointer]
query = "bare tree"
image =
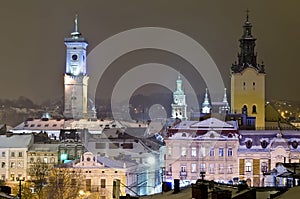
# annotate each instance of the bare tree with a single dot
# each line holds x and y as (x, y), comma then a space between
(39, 172)
(64, 183)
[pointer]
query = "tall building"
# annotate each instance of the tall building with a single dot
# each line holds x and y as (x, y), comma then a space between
(179, 103)
(76, 78)
(248, 80)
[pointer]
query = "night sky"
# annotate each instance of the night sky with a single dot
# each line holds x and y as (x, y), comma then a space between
(32, 36)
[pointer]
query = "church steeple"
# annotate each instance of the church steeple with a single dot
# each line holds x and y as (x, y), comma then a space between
(206, 107)
(247, 56)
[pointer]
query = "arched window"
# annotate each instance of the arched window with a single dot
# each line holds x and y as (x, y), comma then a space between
(254, 109)
(294, 144)
(244, 110)
(249, 144)
(264, 144)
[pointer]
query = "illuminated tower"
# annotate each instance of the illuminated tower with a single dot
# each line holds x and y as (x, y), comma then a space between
(75, 78)
(206, 107)
(179, 105)
(248, 80)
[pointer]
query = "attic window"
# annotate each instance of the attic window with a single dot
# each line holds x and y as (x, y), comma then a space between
(294, 144)
(264, 144)
(183, 135)
(230, 135)
(249, 144)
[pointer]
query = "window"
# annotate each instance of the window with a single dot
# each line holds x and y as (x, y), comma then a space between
(202, 152)
(211, 168)
(229, 169)
(229, 152)
(183, 151)
(12, 165)
(12, 154)
(254, 109)
(31, 160)
(202, 167)
(102, 183)
(193, 167)
(52, 160)
(212, 152)
(19, 164)
(3, 165)
(248, 166)
(20, 154)
(221, 168)
(73, 182)
(45, 160)
(183, 168)
(194, 152)
(221, 152)
(264, 167)
(3, 154)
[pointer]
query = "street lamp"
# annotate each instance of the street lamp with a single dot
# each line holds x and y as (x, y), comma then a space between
(20, 179)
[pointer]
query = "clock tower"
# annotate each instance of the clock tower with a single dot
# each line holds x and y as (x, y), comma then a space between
(248, 80)
(75, 78)
(179, 104)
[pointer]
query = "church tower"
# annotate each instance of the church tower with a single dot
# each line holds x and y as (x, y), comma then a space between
(179, 104)
(75, 78)
(248, 80)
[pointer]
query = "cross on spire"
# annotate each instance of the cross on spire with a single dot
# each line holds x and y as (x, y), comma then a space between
(247, 14)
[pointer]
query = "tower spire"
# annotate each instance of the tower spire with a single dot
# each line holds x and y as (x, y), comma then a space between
(206, 107)
(76, 34)
(247, 15)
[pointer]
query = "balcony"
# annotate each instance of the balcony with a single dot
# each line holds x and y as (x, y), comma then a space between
(183, 173)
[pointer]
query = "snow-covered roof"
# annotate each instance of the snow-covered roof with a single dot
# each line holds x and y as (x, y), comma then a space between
(15, 141)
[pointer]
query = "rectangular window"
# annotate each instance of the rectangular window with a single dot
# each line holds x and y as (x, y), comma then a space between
(202, 167)
(221, 168)
(183, 168)
(229, 169)
(3, 154)
(102, 183)
(183, 151)
(248, 167)
(212, 152)
(3, 165)
(12, 165)
(221, 152)
(202, 152)
(12, 154)
(194, 152)
(19, 164)
(45, 160)
(211, 168)
(229, 152)
(20, 154)
(193, 167)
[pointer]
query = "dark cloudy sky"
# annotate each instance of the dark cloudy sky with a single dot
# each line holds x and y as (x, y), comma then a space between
(32, 50)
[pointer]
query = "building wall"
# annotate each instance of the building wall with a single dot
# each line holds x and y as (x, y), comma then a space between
(248, 88)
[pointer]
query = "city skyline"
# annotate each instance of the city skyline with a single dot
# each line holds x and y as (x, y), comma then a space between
(33, 53)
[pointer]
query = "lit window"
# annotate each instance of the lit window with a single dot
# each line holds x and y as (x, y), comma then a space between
(45, 160)
(264, 167)
(212, 152)
(221, 152)
(202, 167)
(193, 167)
(211, 168)
(194, 152)
(248, 166)
(230, 153)
(183, 168)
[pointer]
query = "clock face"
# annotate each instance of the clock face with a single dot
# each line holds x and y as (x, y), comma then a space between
(74, 57)
(176, 100)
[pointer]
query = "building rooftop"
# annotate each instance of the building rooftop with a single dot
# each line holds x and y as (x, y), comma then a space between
(15, 141)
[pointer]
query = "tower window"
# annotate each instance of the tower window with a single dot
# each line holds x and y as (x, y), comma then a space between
(254, 109)
(244, 85)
